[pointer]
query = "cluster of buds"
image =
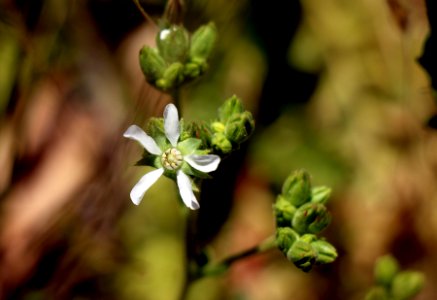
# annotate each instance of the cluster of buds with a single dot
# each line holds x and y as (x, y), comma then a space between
(301, 214)
(179, 57)
(393, 284)
(233, 127)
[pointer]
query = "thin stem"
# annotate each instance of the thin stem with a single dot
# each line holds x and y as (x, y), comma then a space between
(219, 268)
(144, 13)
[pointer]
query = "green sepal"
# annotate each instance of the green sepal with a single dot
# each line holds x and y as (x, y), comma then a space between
(192, 70)
(407, 284)
(302, 254)
(218, 127)
(149, 160)
(326, 252)
(173, 44)
(386, 268)
(220, 143)
(240, 127)
(189, 170)
(155, 127)
(311, 218)
(320, 194)
(230, 108)
(297, 188)
(284, 211)
(203, 41)
(152, 64)
(285, 237)
(189, 145)
(173, 76)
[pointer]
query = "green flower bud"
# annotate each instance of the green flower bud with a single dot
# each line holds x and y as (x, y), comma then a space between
(407, 284)
(284, 211)
(173, 44)
(320, 194)
(240, 127)
(302, 254)
(377, 293)
(230, 108)
(172, 77)
(311, 218)
(297, 188)
(192, 70)
(326, 252)
(386, 268)
(221, 143)
(152, 64)
(203, 40)
(218, 127)
(285, 237)
(309, 238)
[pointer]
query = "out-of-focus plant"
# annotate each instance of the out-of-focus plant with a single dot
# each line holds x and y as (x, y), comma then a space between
(393, 284)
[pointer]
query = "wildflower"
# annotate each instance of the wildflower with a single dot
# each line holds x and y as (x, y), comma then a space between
(175, 159)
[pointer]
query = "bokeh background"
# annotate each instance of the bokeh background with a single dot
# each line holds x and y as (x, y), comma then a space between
(335, 87)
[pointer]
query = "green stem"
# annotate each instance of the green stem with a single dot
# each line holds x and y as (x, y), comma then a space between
(220, 268)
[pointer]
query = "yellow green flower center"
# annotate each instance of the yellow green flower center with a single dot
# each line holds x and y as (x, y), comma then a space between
(171, 159)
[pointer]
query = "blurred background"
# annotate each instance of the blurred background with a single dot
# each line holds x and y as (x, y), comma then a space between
(335, 88)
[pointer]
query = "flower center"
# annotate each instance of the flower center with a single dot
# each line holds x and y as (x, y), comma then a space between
(171, 159)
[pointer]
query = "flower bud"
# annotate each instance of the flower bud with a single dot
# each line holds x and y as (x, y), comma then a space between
(297, 188)
(386, 268)
(311, 218)
(218, 126)
(230, 108)
(377, 293)
(221, 143)
(173, 44)
(173, 76)
(302, 254)
(240, 127)
(326, 252)
(284, 211)
(192, 70)
(285, 237)
(407, 284)
(203, 40)
(320, 194)
(152, 64)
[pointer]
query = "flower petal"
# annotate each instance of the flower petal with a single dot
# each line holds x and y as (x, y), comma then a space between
(186, 191)
(144, 184)
(136, 133)
(203, 163)
(171, 124)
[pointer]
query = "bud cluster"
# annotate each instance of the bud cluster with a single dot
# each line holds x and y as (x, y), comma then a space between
(393, 284)
(179, 57)
(233, 127)
(301, 213)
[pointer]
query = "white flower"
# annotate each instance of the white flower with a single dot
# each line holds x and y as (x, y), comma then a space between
(172, 159)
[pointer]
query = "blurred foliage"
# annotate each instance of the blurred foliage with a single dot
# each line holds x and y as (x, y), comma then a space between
(334, 87)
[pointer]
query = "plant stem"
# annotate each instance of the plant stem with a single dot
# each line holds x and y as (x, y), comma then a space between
(144, 13)
(219, 268)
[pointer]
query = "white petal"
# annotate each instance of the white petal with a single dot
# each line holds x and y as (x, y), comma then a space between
(136, 133)
(186, 191)
(144, 184)
(203, 163)
(171, 124)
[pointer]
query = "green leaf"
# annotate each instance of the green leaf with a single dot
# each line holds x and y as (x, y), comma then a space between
(189, 146)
